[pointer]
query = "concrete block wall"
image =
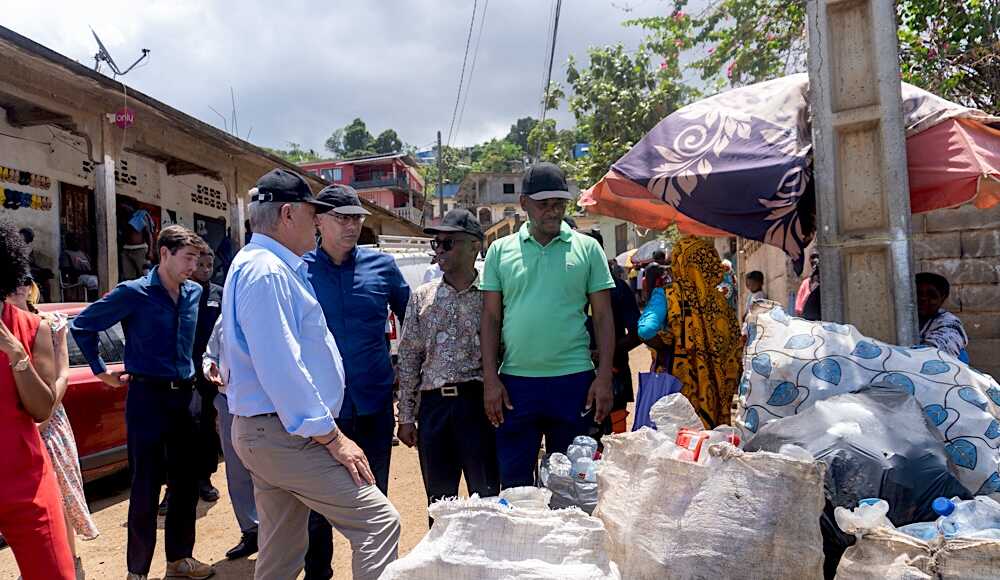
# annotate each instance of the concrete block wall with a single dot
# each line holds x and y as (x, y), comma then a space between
(963, 245)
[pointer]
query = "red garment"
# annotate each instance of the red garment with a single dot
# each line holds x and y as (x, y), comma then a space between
(805, 289)
(31, 513)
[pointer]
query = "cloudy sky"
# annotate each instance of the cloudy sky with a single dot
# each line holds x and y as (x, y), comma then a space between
(301, 69)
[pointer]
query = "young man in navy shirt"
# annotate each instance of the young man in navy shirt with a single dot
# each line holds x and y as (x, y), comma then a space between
(159, 313)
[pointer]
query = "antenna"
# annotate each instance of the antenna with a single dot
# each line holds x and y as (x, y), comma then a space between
(105, 56)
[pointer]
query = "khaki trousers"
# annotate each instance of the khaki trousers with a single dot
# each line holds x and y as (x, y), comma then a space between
(292, 475)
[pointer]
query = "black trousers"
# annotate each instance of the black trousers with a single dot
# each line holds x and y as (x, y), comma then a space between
(161, 435)
(454, 437)
(209, 445)
(373, 434)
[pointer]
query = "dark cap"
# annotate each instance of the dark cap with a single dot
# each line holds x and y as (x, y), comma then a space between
(460, 221)
(281, 185)
(545, 181)
(343, 199)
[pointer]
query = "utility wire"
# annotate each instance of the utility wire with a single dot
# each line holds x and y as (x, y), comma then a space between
(552, 57)
(545, 55)
(472, 70)
(461, 78)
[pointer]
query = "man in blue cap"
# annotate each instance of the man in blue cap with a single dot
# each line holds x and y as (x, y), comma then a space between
(356, 288)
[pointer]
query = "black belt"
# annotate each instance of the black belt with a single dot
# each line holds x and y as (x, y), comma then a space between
(453, 389)
(172, 384)
(263, 415)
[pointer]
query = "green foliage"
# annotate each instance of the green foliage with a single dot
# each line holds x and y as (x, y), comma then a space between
(388, 142)
(335, 143)
(456, 166)
(497, 155)
(948, 47)
(294, 154)
(357, 140)
(519, 132)
(616, 100)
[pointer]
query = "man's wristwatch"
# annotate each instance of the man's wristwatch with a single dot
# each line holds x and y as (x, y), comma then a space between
(21, 365)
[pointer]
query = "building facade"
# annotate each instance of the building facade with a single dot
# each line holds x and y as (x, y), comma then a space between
(494, 197)
(391, 181)
(79, 157)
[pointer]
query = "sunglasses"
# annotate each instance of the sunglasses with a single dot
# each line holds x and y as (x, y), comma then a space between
(446, 245)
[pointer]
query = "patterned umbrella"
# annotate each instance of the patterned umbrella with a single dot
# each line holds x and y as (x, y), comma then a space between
(740, 163)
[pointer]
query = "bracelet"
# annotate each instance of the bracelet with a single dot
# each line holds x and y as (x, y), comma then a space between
(336, 435)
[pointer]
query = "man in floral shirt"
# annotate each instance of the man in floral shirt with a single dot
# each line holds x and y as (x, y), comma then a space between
(441, 370)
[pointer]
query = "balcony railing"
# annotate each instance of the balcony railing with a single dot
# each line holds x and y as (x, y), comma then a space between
(408, 213)
(388, 181)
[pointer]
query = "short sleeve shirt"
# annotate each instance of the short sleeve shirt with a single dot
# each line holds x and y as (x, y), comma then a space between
(545, 292)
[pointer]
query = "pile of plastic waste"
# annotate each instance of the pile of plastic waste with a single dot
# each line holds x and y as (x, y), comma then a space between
(958, 518)
(572, 476)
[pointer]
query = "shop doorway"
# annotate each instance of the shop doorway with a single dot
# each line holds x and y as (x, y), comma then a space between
(213, 231)
(138, 226)
(78, 243)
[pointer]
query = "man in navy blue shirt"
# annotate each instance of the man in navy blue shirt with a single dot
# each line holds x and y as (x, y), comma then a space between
(159, 313)
(356, 288)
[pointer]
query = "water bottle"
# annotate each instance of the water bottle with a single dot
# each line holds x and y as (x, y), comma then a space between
(586, 441)
(869, 515)
(963, 518)
(575, 452)
(925, 531)
(584, 470)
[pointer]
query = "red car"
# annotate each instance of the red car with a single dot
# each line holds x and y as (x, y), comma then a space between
(96, 411)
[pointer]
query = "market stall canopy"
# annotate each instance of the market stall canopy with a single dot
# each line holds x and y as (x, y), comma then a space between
(740, 163)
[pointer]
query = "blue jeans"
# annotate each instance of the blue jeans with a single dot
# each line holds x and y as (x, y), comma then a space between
(237, 476)
(549, 406)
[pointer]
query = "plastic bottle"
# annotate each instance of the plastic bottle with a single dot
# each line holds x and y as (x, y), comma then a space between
(869, 515)
(558, 465)
(575, 452)
(796, 452)
(584, 470)
(963, 518)
(925, 531)
(588, 442)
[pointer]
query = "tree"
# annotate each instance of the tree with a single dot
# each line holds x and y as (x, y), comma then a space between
(335, 143)
(616, 100)
(294, 154)
(357, 140)
(554, 145)
(456, 167)
(948, 47)
(497, 156)
(387, 142)
(519, 132)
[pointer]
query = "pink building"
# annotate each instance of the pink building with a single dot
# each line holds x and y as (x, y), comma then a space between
(390, 181)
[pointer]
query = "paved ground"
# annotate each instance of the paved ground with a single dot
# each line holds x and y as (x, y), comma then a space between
(104, 557)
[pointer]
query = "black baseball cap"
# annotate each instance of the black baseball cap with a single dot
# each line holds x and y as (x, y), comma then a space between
(459, 221)
(545, 181)
(343, 199)
(282, 185)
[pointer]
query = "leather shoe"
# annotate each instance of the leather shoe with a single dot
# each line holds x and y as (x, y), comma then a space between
(207, 492)
(246, 547)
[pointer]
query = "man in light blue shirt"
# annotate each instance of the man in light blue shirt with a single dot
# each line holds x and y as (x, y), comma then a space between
(286, 386)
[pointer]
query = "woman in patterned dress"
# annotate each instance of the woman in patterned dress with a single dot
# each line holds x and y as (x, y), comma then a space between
(57, 433)
(695, 331)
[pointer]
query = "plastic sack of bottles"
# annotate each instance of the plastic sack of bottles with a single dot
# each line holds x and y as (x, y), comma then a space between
(744, 515)
(572, 477)
(513, 536)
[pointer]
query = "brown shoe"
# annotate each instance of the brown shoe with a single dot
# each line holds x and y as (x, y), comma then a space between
(189, 568)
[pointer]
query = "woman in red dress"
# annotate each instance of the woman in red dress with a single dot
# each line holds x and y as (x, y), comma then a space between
(31, 513)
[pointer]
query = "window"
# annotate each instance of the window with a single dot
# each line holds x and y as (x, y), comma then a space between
(334, 174)
(508, 189)
(111, 346)
(509, 212)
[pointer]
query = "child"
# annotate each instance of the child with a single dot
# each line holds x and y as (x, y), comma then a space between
(755, 284)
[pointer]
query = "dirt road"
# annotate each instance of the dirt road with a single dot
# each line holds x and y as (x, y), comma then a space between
(104, 557)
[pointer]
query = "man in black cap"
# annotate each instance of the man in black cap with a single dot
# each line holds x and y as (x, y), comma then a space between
(441, 369)
(537, 284)
(285, 389)
(356, 288)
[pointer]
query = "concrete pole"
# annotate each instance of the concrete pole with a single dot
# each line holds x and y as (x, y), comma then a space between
(440, 161)
(104, 205)
(862, 191)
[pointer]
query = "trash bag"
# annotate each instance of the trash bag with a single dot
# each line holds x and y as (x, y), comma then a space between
(481, 539)
(790, 364)
(672, 413)
(745, 515)
(566, 490)
(877, 443)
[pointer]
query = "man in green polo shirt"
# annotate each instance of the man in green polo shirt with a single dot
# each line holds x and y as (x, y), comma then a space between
(536, 286)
